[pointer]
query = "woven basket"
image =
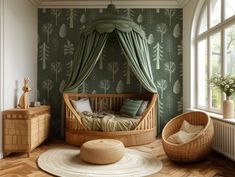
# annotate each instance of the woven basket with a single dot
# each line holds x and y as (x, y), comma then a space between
(196, 148)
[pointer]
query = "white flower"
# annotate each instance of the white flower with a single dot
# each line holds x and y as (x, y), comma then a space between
(223, 83)
(231, 90)
(226, 86)
(231, 81)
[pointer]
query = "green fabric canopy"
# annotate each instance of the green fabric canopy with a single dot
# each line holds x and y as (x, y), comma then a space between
(92, 41)
(89, 49)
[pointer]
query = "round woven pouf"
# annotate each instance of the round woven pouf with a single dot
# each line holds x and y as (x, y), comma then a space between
(102, 151)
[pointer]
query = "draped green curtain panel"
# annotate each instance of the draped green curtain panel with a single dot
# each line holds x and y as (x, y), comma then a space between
(89, 49)
(92, 41)
(137, 55)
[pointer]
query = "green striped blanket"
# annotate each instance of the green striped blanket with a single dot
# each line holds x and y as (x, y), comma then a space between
(108, 122)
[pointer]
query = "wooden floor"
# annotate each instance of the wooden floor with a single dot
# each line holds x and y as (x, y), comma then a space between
(215, 165)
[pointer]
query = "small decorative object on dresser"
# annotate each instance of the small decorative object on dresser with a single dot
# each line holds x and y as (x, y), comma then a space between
(25, 129)
(24, 99)
(227, 85)
(35, 104)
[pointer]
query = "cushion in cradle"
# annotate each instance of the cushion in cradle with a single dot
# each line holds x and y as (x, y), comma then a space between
(142, 108)
(189, 128)
(180, 137)
(82, 105)
(130, 107)
(186, 133)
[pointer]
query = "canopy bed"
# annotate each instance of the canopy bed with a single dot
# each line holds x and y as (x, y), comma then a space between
(134, 45)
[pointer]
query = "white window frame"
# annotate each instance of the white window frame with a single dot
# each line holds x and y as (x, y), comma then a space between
(220, 27)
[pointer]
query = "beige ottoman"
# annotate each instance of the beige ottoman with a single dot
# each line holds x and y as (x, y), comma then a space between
(102, 151)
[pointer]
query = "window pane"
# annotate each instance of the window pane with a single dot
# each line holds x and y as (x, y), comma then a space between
(215, 16)
(216, 98)
(229, 8)
(203, 21)
(202, 74)
(215, 41)
(215, 58)
(230, 49)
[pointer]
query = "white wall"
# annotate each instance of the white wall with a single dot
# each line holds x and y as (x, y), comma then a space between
(191, 12)
(19, 46)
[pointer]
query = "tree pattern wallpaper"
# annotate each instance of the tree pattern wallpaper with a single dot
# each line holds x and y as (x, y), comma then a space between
(58, 35)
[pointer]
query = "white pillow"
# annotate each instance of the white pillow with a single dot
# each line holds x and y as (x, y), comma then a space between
(189, 128)
(186, 132)
(142, 108)
(82, 105)
(181, 137)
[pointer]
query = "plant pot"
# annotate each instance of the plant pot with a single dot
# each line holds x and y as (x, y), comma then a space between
(228, 108)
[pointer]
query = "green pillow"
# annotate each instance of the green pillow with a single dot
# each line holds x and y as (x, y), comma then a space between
(130, 107)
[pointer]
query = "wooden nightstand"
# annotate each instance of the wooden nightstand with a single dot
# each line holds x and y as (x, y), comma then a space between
(25, 129)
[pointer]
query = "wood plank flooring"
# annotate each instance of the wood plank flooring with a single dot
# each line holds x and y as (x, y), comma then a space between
(215, 165)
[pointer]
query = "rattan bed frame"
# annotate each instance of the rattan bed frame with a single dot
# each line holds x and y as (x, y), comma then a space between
(144, 132)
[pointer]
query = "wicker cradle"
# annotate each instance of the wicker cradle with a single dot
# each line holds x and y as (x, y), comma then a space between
(195, 149)
(76, 133)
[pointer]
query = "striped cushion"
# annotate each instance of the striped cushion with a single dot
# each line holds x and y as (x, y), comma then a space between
(142, 108)
(130, 107)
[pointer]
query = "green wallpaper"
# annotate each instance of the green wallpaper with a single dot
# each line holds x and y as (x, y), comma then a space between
(58, 36)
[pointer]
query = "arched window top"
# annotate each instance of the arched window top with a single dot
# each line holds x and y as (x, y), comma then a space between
(203, 21)
(215, 51)
(214, 13)
(229, 8)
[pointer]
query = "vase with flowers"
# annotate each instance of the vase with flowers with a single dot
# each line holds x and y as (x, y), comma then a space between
(227, 85)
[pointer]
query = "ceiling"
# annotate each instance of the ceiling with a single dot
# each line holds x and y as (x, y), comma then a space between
(103, 3)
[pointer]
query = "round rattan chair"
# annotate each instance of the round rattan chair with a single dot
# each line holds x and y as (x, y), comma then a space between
(195, 149)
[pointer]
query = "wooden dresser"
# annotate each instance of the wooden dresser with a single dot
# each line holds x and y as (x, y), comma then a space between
(25, 129)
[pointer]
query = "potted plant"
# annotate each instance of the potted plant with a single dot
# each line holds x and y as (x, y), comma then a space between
(227, 85)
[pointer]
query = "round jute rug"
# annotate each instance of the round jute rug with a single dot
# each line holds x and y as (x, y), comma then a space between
(67, 163)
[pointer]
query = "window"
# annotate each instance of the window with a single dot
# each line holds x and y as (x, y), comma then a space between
(215, 51)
